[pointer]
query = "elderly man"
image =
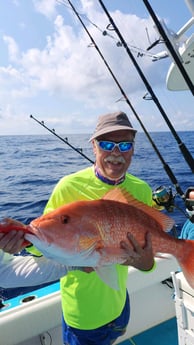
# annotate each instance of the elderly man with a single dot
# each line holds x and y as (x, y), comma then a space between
(93, 312)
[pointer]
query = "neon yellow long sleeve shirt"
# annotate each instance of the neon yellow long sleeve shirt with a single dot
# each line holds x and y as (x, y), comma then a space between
(88, 302)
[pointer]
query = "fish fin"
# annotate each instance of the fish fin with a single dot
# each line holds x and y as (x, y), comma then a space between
(112, 255)
(121, 195)
(117, 194)
(108, 274)
(186, 260)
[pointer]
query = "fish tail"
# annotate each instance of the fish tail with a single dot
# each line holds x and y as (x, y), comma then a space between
(186, 261)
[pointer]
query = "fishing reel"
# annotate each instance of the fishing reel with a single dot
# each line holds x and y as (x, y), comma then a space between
(164, 198)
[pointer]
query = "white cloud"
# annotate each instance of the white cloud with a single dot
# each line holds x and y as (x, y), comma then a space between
(46, 7)
(13, 48)
(69, 71)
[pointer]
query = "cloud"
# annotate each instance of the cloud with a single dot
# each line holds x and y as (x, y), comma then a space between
(67, 57)
(46, 7)
(13, 49)
(67, 69)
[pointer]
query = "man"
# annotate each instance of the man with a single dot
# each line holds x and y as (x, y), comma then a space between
(93, 312)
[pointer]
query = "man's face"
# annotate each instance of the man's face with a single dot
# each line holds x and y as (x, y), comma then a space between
(114, 164)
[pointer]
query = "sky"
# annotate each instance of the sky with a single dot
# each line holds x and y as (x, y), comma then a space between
(50, 69)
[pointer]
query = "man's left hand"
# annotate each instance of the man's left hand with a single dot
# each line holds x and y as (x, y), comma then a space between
(139, 257)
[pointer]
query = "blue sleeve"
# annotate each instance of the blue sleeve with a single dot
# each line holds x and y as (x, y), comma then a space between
(187, 231)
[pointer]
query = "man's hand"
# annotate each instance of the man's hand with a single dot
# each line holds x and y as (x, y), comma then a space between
(139, 257)
(12, 242)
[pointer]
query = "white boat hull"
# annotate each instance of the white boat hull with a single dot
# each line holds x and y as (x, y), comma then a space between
(39, 320)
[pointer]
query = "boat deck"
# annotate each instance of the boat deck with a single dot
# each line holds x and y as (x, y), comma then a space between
(163, 334)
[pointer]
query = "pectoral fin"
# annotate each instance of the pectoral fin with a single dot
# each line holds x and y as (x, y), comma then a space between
(108, 274)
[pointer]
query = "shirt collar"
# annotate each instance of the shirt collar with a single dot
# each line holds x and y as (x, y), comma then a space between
(106, 179)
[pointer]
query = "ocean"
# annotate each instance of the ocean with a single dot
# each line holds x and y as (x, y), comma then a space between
(31, 165)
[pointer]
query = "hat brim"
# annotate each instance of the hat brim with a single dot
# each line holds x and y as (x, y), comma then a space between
(111, 129)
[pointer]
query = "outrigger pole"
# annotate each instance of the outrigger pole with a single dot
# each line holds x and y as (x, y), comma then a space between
(62, 139)
(165, 165)
(186, 154)
(170, 47)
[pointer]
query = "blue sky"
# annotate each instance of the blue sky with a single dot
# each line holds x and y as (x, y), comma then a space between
(48, 68)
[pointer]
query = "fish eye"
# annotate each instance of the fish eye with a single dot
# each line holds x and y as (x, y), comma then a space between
(65, 219)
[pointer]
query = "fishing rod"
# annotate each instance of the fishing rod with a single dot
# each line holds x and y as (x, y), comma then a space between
(165, 165)
(170, 47)
(186, 154)
(62, 139)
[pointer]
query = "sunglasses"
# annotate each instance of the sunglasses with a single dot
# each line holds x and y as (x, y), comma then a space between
(123, 146)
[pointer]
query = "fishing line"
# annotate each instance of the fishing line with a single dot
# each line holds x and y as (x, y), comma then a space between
(165, 165)
(170, 47)
(139, 51)
(62, 139)
(186, 154)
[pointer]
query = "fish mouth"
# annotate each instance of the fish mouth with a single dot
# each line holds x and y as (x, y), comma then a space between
(35, 236)
(33, 230)
(30, 230)
(38, 232)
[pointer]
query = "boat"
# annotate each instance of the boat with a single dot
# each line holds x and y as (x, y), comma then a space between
(35, 318)
(161, 302)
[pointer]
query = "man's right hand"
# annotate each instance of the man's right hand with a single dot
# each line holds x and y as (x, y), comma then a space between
(12, 242)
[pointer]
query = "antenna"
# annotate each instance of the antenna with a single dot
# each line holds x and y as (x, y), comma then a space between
(171, 45)
(148, 37)
(190, 5)
(158, 56)
(174, 79)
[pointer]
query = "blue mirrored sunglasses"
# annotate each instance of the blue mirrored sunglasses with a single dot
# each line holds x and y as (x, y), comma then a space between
(123, 146)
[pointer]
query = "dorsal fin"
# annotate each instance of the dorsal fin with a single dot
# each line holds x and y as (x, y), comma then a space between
(117, 194)
(121, 195)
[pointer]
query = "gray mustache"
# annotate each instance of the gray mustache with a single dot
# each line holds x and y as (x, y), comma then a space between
(114, 159)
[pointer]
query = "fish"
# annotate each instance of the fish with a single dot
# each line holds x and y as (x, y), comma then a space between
(88, 234)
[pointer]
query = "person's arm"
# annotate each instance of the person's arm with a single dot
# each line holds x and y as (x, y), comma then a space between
(20, 271)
